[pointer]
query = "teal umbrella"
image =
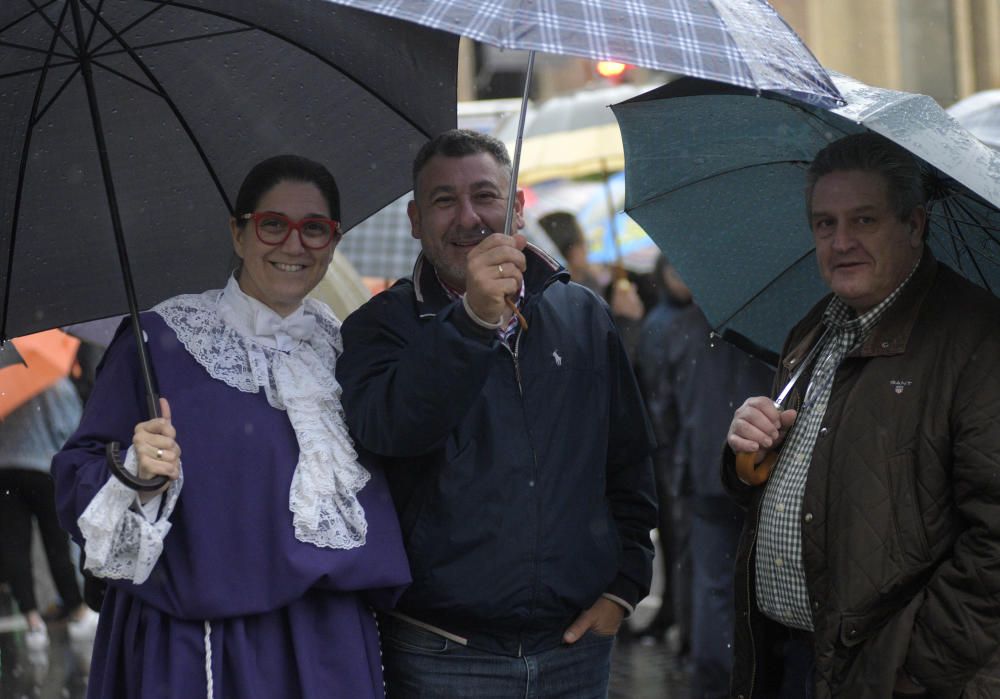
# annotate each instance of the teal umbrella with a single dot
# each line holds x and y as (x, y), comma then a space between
(715, 175)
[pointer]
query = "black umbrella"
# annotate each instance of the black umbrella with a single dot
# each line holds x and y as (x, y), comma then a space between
(128, 123)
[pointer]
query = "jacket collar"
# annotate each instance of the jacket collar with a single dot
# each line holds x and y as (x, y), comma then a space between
(891, 334)
(543, 269)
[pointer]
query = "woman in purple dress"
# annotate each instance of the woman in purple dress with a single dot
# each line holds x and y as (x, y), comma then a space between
(253, 572)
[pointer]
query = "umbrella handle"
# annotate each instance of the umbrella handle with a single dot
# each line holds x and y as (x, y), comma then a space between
(754, 474)
(117, 468)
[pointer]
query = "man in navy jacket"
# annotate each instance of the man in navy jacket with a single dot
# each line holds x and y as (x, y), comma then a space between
(516, 446)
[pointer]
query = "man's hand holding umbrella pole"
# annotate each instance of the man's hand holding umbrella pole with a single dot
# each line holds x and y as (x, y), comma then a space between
(494, 275)
(758, 428)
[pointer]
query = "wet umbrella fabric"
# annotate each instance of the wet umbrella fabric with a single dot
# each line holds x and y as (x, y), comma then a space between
(742, 42)
(132, 121)
(980, 114)
(190, 96)
(716, 175)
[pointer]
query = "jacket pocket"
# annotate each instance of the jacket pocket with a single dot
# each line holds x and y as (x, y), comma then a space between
(910, 532)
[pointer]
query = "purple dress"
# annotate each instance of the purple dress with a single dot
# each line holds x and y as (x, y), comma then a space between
(286, 618)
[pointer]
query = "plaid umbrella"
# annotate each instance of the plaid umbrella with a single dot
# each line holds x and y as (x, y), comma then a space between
(382, 245)
(742, 42)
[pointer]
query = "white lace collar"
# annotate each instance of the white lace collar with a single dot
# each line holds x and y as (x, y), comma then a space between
(260, 323)
(220, 330)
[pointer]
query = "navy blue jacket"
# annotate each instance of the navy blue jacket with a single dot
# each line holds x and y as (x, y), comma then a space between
(522, 476)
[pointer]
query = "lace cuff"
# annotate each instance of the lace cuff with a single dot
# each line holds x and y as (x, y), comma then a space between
(119, 542)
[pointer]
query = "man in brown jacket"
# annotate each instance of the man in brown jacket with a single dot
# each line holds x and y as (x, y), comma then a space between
(869, 565)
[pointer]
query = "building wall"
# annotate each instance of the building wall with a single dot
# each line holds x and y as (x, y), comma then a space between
(944, 48)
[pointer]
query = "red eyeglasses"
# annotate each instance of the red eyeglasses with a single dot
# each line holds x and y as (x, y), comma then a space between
(274, 229)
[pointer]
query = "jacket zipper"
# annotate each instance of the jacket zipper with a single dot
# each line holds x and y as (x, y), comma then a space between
(517, 366)
(515, 356)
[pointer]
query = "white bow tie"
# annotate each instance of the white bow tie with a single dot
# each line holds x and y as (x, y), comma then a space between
(297, 326)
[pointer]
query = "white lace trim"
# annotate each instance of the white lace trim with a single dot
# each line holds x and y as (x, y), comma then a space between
(120, 543)
(323, 494)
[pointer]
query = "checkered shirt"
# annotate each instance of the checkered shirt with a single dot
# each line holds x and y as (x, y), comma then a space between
(740, 42)
(781, 580)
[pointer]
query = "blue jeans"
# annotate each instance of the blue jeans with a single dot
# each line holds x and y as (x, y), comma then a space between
(421, 664)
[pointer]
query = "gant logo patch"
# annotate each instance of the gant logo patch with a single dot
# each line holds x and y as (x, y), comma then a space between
(899, 385)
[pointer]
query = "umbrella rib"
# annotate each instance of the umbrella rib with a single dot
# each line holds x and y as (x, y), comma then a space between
(349, 76)
(156, 44)
(951, 226)
(127, 78)
(25, 16)
(953, 222)
(986, 227)
(22, 47)
(767, 286)
(701, 180)
(158, 88)
(41, 112)
(16, 213)
(127, 27)
(39, 69)
(57, 32)
(93, 24)
(959, 234)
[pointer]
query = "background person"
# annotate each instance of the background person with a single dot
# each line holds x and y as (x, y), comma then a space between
(251, 573)
(870, 558)
(518, 458)
(691, 380)
(29, 437)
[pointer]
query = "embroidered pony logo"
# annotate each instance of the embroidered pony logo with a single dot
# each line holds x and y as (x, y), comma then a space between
(556, 357)
(899, 385)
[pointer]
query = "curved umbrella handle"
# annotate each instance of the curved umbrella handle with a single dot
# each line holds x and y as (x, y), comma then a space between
(117, 468)
(754, 474)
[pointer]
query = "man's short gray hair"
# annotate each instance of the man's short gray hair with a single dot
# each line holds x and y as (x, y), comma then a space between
(870, 152)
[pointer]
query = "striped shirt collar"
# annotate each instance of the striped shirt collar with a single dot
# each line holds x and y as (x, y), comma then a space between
(505, 332)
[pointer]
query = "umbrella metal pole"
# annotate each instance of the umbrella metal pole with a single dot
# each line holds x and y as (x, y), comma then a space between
(152, 404)
(508, 224)
(516, 164)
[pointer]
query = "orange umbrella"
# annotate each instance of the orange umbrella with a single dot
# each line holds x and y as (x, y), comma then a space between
(48, 356)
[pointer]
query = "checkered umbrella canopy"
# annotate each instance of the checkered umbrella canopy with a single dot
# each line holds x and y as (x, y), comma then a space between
(741, 42)
(382, 246)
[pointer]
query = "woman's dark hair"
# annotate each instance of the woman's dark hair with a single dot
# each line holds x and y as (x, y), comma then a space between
(281, 168)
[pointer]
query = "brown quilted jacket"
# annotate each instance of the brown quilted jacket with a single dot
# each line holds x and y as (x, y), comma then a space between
(901, 513)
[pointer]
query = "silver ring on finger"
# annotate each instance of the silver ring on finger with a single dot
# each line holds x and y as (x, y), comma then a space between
(500, 269)
(159, 453)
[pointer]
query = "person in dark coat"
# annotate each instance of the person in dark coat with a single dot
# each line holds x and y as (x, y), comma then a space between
(692, 381)
(516, 447)
(869, 565)
(658, 354)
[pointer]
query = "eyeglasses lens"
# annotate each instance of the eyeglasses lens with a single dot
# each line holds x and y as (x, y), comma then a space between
(314, 232)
